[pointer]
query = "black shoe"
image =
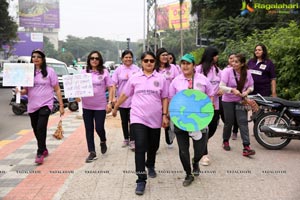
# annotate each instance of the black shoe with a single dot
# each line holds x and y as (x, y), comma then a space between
(103, 147)
(151, 172)
(140, 188)
(196, 169)
(188, 180)
(91, 157)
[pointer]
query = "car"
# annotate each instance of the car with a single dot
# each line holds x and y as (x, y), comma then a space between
(59, 67)
(72, 70)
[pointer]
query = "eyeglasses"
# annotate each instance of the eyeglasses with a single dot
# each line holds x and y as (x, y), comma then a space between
(190, 84)
(94, 58)
(148, 60)
(36, 56)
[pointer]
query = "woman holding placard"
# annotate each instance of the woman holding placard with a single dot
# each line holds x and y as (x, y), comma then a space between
(40, 100)
(94, 108)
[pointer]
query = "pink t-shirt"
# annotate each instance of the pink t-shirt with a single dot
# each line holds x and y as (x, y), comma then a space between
(200, 83)
(169, 73)
(229, 80)
(42, 92)
(120, 78)
(147, 93)
(100, 84)
(214, 79)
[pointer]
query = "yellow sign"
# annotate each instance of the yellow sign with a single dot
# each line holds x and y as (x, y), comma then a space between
(168, 16)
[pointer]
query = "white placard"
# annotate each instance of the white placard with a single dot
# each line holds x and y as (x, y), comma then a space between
(78, 85)
(18, 74)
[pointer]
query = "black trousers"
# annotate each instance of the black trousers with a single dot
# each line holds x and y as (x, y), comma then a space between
(39, 122)
(146, 141)
(183, 141)
(125, 120)
(91, 117)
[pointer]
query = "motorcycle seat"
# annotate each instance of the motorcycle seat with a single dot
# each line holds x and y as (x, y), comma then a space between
(295, 104)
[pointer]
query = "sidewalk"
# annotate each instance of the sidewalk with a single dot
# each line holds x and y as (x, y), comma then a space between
(65, 175)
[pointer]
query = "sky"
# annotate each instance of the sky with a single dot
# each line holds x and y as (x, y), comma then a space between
(108, 19)
(112, 19)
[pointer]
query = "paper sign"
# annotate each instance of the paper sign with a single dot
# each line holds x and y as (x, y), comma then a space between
(78, 85)
(18, 74)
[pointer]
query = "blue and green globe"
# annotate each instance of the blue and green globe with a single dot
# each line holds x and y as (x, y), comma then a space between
(191, 110)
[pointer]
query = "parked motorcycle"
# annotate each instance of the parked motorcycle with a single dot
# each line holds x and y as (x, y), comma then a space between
(73, 104)
(277, 122)
(21, 108)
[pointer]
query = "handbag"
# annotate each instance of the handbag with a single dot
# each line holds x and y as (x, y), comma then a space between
(58, 134)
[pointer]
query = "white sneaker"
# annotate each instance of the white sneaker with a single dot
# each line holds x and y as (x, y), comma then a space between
(205, 161)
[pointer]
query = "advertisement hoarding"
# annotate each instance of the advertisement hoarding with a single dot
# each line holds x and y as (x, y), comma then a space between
(27, 43)
(39, 13)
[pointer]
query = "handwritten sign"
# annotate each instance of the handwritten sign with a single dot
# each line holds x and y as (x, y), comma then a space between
(78, 85)
(18, 74)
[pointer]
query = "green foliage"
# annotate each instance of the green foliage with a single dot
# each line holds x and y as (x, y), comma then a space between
(8, 27)
(283, 48)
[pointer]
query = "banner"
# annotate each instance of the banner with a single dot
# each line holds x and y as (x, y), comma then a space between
(168, 16)
(78, 85)
(27, 43)
(39, 13)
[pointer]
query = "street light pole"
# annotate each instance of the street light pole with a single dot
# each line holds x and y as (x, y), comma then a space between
(128, 41)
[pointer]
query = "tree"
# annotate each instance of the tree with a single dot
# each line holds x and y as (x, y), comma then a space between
(8, 27)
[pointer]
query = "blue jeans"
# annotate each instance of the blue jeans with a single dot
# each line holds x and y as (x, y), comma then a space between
(39, 122)
(91, 117)
(146, 140)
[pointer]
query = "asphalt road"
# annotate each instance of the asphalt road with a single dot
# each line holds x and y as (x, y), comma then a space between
(9, 122)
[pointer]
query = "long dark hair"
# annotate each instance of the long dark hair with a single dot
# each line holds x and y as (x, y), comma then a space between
(243, 75)
(44, 64)
(265, 52)
(207, 60)
(157, 63)
(174, 59)
(100, 67)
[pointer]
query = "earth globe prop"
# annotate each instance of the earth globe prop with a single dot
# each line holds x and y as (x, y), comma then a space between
(191, 110)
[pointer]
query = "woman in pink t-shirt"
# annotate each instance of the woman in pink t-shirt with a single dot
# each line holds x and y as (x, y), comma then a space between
(149, 107)
(237, 83)
(169, 71)
(208, 66)
(94, 108)
(120, 77)
(190, 80)
(40, 100)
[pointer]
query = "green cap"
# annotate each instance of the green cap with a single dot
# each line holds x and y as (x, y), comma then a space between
(188, 57)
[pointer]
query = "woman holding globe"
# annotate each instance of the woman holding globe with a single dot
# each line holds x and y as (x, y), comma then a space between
(190, 80)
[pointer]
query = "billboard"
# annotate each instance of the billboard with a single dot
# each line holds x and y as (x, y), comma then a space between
(39, 13)
(27, 43)
(168, 16)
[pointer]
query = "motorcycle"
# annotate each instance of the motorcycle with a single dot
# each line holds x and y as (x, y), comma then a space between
(21, 108)
(277, 122)
(73, 104)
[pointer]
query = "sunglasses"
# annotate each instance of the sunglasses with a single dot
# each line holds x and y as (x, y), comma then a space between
(148, 60)
(36, 56)
(94, 58)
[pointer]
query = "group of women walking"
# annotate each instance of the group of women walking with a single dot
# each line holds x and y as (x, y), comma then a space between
(142, 96)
